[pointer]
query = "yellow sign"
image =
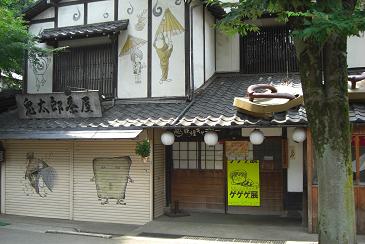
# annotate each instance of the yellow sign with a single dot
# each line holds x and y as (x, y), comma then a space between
(243, 184)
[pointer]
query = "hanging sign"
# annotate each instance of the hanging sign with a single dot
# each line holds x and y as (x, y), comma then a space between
(58, 105)
(243, 182)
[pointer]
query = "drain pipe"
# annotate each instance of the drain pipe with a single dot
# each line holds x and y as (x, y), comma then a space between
(192, 96)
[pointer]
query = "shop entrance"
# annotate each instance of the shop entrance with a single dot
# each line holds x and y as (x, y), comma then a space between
(199, 176)
(269, 175)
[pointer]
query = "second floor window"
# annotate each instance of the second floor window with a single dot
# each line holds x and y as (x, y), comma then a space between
(89, 67)
(271, 50)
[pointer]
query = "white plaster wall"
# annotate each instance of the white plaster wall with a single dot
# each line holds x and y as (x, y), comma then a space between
(209, 45)
(295, 163)
(40, 80)
(267, 131)
(84, 42)
(175, 84)
(48, 13)
(71, 15)
(227, 52)
(131, 85)
(66, 1)
(356, 51)
(198, 46)
(100, 11)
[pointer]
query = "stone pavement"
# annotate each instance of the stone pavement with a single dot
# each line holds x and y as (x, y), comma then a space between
(197, 228)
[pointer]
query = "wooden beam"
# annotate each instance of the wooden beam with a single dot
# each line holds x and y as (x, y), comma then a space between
(310, 179)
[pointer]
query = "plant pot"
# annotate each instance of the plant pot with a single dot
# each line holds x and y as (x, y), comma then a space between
(145, 159)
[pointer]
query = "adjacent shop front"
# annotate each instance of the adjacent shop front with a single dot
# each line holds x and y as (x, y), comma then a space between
(236, 176)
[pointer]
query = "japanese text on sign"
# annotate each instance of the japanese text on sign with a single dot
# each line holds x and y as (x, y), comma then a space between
(243, 183)
(59, 105)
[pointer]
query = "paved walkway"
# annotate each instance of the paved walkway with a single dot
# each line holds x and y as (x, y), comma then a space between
(197, 228)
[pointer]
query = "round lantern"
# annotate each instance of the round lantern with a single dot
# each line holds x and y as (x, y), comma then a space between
(167, 138)
(211, 138)
(299, 135)
(257, 137)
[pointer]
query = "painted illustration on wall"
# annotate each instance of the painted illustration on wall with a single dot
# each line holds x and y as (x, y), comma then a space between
(131, 47)
(40, 66)
(111, 177)
(243, 183)
(76, 16)
(163, 42)
(141, 20)
(237, 150)
(39, 176)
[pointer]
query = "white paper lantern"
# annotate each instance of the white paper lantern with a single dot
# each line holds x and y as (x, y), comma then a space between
(211, 138)
(299, 135)
(257, 137)
(167, 138)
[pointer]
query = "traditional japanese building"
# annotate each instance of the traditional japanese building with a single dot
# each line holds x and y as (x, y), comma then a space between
(157, 70)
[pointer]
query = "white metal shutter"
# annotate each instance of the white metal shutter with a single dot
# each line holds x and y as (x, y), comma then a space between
(87, 205)
(20, 196)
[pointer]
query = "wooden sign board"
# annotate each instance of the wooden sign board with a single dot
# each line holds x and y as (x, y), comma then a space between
(59, 105)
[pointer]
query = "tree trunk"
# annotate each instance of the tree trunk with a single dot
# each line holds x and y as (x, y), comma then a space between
(326, 103)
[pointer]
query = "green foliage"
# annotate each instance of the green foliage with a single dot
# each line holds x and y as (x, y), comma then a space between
(143, 148)
(16, 6)
(315, 20)
(15, 41)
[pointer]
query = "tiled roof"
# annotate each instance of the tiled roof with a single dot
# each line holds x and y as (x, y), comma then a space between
(81, 31)
(213, 106)
(123, 115)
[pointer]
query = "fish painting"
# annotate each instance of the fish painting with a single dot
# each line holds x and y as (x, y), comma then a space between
(40, 175)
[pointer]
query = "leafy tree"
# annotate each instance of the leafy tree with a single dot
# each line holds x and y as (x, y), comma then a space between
(15, 41)
(320, 31)
(17, 6)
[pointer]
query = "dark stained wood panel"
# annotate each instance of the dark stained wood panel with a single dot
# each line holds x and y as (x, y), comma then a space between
(360, 209)
(85, 67)
(270, 50)
(198, 189)
(359, 194)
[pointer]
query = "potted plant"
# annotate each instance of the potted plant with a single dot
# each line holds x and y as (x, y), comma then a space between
(143, 149)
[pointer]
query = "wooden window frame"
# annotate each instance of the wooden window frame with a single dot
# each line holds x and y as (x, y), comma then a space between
(114, 62)
(199, 152)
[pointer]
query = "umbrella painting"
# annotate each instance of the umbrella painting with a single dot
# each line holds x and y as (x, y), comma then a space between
(163, 44)
(131, 47)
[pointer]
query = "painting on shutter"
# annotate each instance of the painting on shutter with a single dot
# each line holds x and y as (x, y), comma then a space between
(37, 179)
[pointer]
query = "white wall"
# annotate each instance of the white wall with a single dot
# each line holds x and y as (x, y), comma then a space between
(40, 77)
(198, 46)
(227, 52)
(100, 11)
(267, 131)
(356, 51)
(84, 42)
(295, 169)
(174, 84)
(71, 15)
(209, 45)
(48, 13)
(131, 85)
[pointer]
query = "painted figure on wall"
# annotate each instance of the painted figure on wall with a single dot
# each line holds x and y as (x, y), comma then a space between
(39, 176)
(163, 42)
(164, 51)
(111, 176)
(131, 47)
(142, 20)
(39, 68)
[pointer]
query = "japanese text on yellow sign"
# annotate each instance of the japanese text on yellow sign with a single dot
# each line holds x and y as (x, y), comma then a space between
(243, 184)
